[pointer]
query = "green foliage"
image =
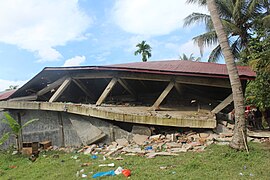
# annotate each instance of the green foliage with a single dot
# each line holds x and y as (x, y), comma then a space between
(4, 138)
(143, 49)
(217, 162)
(238, 18)
(12, 87)
(258, 92)
(189, 58)
(14, 126)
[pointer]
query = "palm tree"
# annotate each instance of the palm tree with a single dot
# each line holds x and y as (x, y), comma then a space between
(143, 49)
(237, 18)
(190, 58)
(12, 87)
(239, 135)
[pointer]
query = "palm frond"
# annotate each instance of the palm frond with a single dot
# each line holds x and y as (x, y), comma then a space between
(215, 55)
(266, 21)
(206, 39)
(199, 2)
(196, 18)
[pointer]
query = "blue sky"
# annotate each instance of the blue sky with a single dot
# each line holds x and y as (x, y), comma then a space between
(36, 34)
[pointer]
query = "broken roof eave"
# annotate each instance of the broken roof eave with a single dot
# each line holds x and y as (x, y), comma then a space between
(137, 70)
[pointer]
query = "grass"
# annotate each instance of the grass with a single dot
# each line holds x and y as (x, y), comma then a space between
(217, 162)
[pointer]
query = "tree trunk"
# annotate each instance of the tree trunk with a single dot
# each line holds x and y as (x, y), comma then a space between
(239, 134)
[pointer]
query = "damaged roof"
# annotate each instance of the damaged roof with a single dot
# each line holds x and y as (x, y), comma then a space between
(6, 94)
(173, 67)
(168, 67)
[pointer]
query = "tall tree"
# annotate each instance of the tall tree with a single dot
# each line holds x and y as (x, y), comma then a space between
(143, 49)
(239, 135)
(237, 17)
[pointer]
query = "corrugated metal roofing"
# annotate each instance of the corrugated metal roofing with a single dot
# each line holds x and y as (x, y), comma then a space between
(5, 95)
(181, 66)
(172, 67)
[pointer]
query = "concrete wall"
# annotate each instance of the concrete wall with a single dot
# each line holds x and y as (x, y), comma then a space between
(4, 129)
(57, 127)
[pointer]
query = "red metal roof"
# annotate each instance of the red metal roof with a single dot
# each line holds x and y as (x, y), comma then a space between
(189, 67)
(5, 95)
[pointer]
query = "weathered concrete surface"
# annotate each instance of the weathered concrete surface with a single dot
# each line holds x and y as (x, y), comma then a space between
(143, 130)
(123, 114)
(86, 131)
(60, 129)
(4, 129)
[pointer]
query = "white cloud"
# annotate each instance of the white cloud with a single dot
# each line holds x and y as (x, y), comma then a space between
(189, 48)
(75, 61)
(4, 84)
(152, 17)
(40, 26)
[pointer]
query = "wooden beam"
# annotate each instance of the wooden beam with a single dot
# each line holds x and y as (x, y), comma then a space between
(162, 96)
(94, 75)
(106, 92)
(223, 104)
(127, 87)
(179, 89)
(60, 90)
(24, 98)
(204, 81)
(48, 88)
(84, 88)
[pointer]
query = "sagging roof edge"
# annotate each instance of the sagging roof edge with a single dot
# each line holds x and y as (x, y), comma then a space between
(162, 72)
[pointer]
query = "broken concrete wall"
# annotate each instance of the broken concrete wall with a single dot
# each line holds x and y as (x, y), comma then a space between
(64, 129)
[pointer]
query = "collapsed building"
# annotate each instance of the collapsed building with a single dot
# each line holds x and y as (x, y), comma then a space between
(87, 104)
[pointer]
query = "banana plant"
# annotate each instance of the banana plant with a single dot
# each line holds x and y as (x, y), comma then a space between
(15, 127)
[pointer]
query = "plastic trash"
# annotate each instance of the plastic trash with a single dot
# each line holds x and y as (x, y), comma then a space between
(147, 148)
(77, 174)
(94, 157)
(75, 157)
(109, 165)
(82, 170)
(118, 170)
(126, 172)
(101, 174)
(84, 175)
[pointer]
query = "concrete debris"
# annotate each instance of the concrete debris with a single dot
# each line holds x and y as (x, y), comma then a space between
(142, 130)
(139, 139)
(169, 144)
(122, 142)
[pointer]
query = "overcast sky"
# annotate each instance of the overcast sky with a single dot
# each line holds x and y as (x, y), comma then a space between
(44, 33)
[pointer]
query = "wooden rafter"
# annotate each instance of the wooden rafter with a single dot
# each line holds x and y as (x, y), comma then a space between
(162, 96)
(127, 87)
(223, 104)
(106, 92)
(179, 89)
(60, 90)
(25, 98)
(204, 81)
(84, 88)
(50, 87)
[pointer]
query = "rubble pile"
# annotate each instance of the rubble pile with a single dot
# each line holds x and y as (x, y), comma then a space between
(166, 144)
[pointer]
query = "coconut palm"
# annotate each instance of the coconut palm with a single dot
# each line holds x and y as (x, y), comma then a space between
(237, 18)
(143, 49)
(190, 58)
(239, 135)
